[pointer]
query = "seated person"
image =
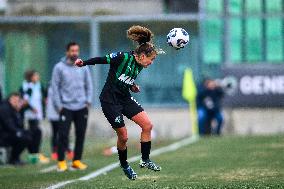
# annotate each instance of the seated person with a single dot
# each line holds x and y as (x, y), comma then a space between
(12, 131)
(209, 96)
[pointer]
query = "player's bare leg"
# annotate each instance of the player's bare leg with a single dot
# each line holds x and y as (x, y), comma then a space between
(146, 125)
(122, 152)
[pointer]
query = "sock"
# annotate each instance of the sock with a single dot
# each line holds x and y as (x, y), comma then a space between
(122, 155)
(145, 150)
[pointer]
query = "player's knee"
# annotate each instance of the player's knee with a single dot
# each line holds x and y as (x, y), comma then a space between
(147, 127)
(123, 139)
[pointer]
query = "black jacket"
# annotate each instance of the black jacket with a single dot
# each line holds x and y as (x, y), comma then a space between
(210, 100)
(11, 120)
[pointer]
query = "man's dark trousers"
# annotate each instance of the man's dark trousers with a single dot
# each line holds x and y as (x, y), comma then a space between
(80, 118)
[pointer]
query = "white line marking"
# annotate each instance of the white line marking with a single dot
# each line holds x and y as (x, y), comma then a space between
(48, 169)
(169, 148)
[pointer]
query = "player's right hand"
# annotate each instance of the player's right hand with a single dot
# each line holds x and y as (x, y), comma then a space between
(79, 62)
(135, 88)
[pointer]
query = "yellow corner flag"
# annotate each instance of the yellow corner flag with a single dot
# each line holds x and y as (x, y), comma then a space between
(189, 93)
(189, 88)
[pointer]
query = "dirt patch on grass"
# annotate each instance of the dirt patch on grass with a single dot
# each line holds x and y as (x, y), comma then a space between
(261, 154)
(276, 146)
(150, 177)
(247, 174)
(153, 177)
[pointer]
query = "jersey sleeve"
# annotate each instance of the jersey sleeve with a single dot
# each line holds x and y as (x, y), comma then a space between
(113, 58)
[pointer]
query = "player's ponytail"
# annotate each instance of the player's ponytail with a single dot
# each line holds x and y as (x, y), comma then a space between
(143, 36)
(140, 34)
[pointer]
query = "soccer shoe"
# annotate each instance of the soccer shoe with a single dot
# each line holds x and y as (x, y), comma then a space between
(78, 165)
(33, 158)
(150, 165)
(43, 159)
(61, 166)
(129, 172)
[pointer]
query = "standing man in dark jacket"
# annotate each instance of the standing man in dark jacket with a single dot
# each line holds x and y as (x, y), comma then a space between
(209, 98)
(72, 95)
(12, 131)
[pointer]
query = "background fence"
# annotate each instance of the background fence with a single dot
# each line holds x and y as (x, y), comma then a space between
(223, 33)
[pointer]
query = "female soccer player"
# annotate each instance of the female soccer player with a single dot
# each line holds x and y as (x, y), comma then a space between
(116, 99)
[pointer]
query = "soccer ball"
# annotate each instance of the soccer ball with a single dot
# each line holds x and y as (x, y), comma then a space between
(178, 38)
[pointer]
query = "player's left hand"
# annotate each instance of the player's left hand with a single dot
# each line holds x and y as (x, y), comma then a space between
(135, 88)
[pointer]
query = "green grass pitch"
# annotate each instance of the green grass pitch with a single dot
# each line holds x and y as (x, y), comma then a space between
(225, 162)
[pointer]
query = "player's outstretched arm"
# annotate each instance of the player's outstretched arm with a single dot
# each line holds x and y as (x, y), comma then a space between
(113, 59)
(92, 61)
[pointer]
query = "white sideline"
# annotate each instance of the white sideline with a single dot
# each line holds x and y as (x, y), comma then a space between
(48, 169)
(169, 148)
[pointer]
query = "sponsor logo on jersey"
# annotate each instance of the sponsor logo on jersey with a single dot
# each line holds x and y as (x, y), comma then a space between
(126, 79)
(113, 55)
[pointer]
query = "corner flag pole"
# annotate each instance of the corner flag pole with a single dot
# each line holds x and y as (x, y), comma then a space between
(189, 93)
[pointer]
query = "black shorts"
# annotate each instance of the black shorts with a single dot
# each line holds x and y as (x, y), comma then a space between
(129, 107)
